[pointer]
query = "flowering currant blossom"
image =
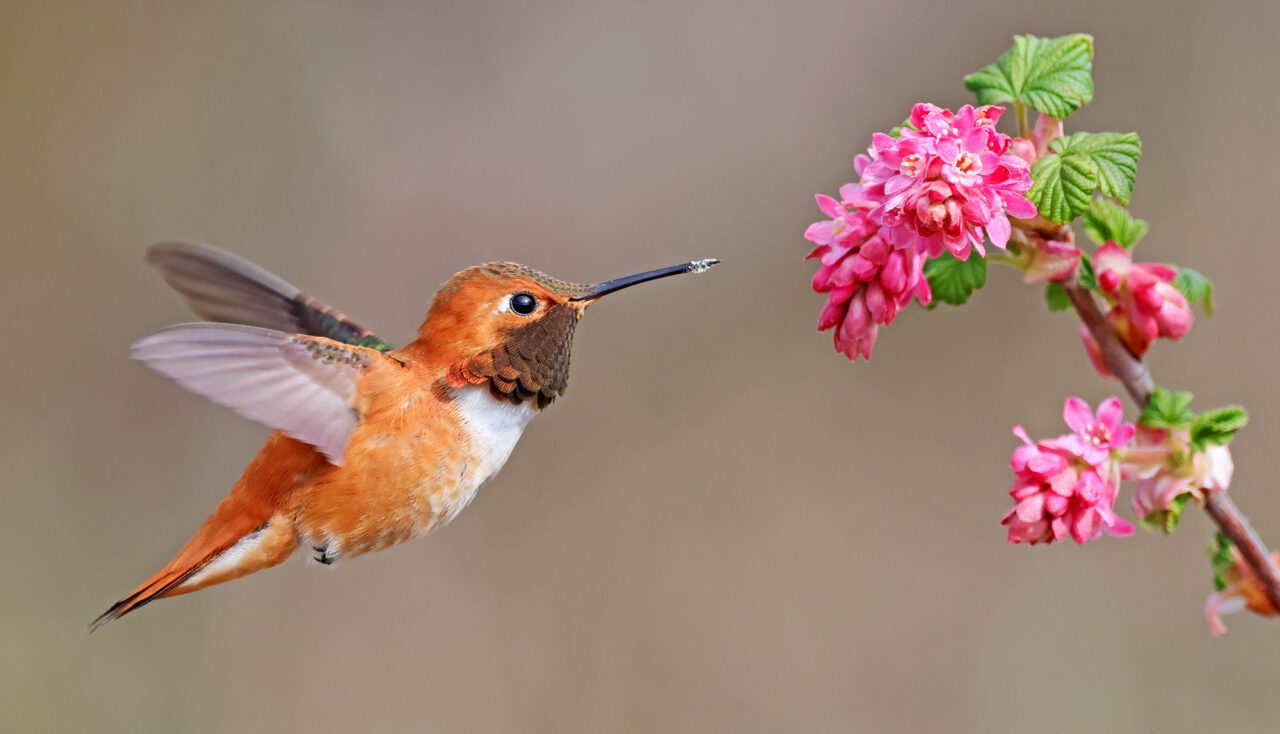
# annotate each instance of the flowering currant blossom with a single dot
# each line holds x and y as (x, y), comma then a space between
(947, 181)
(866, 280)
(1145, 303)
(1167, 467)
(1050, 260)
(1068, 485)
(1244, 590)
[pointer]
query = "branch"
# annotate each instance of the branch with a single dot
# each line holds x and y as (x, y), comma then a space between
(1136, 378)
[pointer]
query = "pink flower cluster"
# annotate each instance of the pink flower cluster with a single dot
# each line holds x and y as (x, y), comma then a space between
(866, 280)
(1068, 485)
(1145, 305)
(944, 184)
(946, 181)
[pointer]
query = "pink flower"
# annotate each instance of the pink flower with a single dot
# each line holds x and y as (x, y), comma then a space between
(947, 182)
(1145, 303)
(866, 281)
(1051, 261)
(1068, 485)
(1244, 591)
(1094, 438)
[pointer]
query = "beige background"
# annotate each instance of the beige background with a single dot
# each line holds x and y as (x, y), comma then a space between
(723, 526)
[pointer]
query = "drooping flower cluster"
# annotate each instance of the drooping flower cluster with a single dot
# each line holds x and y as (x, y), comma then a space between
(866, 280)
(944, 184)
(1145, 304)
(1067, 486)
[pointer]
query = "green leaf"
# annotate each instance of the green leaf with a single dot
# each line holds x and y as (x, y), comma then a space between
(1056, 297)
(1218, 427)
(1049, 75)
(1115, 154)
(1062, 187)
(1221, 559)
(1166, 521)
(1107, 221)
(1088, 276)
(1196, 287)
(953, 280)
(1167, 409)
(1064, 181)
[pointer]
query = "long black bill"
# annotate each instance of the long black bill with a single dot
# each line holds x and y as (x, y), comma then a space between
(617, 284)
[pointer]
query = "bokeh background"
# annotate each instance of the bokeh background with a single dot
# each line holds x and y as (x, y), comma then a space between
(723, 526)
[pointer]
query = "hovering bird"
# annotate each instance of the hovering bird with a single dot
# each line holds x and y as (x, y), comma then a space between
(373, 445)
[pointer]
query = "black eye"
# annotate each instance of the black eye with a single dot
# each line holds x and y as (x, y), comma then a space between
(524, 304)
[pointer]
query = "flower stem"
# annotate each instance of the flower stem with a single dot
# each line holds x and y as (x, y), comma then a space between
(1132, 372)
(1024, 129)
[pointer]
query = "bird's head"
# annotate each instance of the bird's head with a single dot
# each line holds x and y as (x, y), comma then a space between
(511, 326)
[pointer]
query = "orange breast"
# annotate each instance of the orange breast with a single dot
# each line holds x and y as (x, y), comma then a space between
(410, 466)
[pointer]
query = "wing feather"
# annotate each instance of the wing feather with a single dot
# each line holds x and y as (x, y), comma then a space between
(303, 385)
(220, 286)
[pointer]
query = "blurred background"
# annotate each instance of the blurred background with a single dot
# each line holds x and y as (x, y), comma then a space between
(723, 526)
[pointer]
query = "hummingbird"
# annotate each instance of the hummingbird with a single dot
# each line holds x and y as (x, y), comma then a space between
(372, 445)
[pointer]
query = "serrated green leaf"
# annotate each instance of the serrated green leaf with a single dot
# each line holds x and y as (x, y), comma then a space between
(1062, 186)
(1221, 559)
(953, 280)
(1114, 154)
(1064, 181)
(1167, 409)
(1196, 287)
(1049, 75)
(1166, 521)
(1056, 296)
(1217, 427)
(1107, 221)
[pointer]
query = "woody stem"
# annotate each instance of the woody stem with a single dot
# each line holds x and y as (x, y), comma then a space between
(1136, 378)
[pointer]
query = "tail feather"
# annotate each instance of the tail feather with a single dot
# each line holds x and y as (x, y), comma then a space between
(153, 588)
(230, 544)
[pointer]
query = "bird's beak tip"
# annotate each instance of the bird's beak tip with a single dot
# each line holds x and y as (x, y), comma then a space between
(617, 284)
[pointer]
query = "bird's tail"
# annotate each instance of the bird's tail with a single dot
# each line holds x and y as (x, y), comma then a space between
(230, 544)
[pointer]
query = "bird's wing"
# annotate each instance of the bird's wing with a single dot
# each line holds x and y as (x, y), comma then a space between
(220, 286)
(303, 385)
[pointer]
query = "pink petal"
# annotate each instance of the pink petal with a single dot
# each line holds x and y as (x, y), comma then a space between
(829, 206)
(1077, 415)
(1216, 606)
(1110, 413)
(1122, 435)
(999, 230)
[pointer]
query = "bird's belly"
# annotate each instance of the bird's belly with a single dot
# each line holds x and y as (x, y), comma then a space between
(408, 483)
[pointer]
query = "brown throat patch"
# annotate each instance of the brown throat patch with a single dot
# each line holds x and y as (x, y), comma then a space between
(533, 361)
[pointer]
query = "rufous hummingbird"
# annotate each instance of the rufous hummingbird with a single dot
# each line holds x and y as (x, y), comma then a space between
(373, 445)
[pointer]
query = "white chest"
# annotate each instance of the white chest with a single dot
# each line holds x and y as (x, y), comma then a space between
(493, 427)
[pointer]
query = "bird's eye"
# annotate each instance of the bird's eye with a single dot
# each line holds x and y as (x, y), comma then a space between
(524, 304)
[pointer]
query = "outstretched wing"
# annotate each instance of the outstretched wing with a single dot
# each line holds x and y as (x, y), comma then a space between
(303, 385)
(220, 286)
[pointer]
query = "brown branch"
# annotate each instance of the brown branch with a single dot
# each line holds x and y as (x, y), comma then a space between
(1136, 378)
